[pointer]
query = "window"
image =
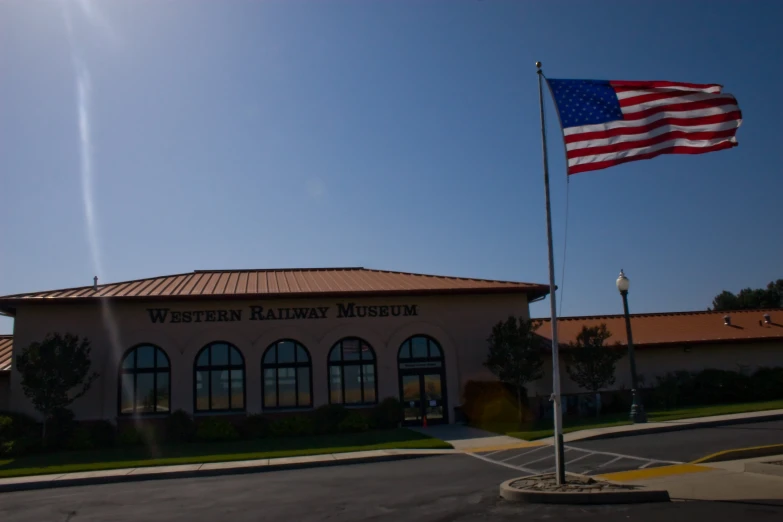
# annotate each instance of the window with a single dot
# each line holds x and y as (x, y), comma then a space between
(145, 381)
(352, 373)
(219, 378)
(420, 348)
(286, 368)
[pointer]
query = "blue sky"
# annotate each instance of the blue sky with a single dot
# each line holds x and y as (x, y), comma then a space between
(399, 135)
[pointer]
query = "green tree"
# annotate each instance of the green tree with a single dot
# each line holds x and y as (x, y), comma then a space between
(750, 298)
(589, 363)
(55, 372)
(516, 354)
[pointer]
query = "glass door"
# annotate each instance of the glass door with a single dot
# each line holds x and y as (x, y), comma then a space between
(422, 394)
(411, 398)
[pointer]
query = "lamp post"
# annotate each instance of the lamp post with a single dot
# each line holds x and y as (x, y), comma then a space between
(637, 410)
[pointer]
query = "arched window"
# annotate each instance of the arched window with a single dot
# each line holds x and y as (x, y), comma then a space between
(219, 378)
(352, 373)
(420, 348)
(287, 378)
(145, 381)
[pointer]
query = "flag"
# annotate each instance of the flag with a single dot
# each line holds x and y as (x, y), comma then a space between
(606, 123)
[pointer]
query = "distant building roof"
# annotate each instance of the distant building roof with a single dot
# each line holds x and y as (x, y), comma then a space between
(675, 327)
(6, 348)
(301, 282)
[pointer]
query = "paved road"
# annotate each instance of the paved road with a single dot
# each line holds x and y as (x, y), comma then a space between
(640, 451)
(689, 445)
(455, 488)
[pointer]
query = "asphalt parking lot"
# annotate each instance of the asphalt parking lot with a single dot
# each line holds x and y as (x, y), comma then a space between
(455, 488)
(639, 451)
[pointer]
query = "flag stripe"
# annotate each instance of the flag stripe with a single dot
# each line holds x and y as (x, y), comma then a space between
(663, 138)
(586, 167)
(655, 99)
(720, 101)
(630, 153)
(683, 130)
(622, 129)
(623, 85)
(644, 122)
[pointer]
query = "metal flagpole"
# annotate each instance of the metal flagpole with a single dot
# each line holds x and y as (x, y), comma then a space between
(558, 439)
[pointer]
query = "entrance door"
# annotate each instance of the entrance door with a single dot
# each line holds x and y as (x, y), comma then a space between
(422, 382)
(423, 396)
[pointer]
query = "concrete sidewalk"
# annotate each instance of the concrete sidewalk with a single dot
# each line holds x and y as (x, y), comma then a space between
(210, 469)
(470, 439)
(673, 425)
(720, 481)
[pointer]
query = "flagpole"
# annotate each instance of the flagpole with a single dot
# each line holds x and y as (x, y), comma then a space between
(558, 413)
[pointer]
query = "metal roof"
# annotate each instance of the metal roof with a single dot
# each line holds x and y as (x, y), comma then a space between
(6, 349)
(675, 327)
(301, 282)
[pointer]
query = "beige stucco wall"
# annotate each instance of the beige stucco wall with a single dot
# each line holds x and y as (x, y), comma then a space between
(461, 324)
(657, 361)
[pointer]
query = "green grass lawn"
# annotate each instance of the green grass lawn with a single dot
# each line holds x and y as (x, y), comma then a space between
(141, 456)
(542, 429)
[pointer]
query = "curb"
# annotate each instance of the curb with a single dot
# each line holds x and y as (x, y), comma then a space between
(153, 475)
(641, 496)
(677, 427)
(764, 468)
(742, 453)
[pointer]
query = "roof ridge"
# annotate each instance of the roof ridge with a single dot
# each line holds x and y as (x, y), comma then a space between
(660, 314)
(100, 285)
(304, 269)
(451, 277)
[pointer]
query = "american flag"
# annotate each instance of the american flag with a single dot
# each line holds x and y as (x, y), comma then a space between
(606, 123)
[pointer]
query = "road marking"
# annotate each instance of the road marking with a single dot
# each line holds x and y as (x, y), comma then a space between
(643, 466)
(499, 463)
(579, 458)
(609, 462)
(651, 473)
(740, 453)
(523, 453)
(625, 456)
(537, 460)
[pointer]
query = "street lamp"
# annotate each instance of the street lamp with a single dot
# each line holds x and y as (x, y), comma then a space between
(637, 410)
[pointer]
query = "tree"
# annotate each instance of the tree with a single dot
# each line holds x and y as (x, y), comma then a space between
(516, 354)
(55, 372)
(589, 363)
(750, 298)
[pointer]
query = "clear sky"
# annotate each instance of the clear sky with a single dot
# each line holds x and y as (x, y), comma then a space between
(166, 136)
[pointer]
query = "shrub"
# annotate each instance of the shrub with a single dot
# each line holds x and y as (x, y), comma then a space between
(102, 433)
(491, 401)
(292, 426)
(6, 425)
(19, 434)
(255, 427)
(327, 418)
(180, 427)
(59, 429)
(353, 423)
(214, 429)
(130, 436)
(387, 414)
(767, 384)
(79, 439)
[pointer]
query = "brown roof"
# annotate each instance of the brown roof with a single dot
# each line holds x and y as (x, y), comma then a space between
(302, 282)
(675, 327)
(6, 347)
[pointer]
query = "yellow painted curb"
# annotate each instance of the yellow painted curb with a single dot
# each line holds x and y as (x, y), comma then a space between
(650, 473)
(741, 453)
(521, 445)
